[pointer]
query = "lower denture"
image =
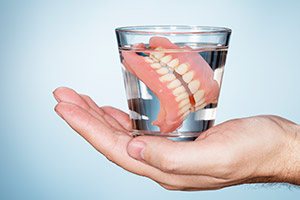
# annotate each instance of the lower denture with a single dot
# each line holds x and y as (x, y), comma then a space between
(201, 88)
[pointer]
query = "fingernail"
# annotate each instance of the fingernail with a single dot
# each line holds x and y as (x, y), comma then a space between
(136, 149)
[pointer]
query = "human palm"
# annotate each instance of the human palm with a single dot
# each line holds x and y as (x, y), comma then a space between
(237, 151)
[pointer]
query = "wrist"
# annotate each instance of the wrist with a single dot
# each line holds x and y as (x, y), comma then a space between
(291, 170)
(297, 157)
(285, 163)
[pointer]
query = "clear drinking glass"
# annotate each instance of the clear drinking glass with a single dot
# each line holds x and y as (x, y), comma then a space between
(172, 77)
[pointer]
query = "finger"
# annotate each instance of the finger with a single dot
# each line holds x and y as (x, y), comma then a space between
(194, 158)
(110, 143)
(68, 95)
(112, 150)
(92, 104)
(64, 94)
(97, 133)
(119, 115)
(113, 145)
(111, 120)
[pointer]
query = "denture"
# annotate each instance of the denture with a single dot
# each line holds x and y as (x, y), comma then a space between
(183, 82)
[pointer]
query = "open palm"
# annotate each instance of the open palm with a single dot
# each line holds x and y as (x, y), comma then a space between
(237, 151)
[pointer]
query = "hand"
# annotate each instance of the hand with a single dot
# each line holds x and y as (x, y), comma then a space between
(249, 150)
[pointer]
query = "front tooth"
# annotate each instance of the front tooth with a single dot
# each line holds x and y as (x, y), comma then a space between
(158, 55)
(155, 65)
(199, 95)
(187, 77)
(182, 96)
(182, 69)
(184, 109)
(174, 63)
(193, 86)
(167, 77)
(162, 71)
(166, 59)
(149, 60)
(184, 102)
(178, 90)
(174, 84)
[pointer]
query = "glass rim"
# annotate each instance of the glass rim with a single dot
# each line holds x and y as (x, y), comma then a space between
(173, 29)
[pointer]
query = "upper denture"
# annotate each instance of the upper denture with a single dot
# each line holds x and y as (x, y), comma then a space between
(183, 82)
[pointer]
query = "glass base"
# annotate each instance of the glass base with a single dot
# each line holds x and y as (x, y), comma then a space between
(174, 136)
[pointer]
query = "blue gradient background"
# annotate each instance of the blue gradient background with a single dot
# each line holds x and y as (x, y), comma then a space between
(46, 44)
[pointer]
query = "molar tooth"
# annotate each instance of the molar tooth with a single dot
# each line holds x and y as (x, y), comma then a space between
(174, 84)
(187, 77)
(199, 95)
(149, 60)
(193, 86)
(155, 65)
(162, 71)
(181, 69)
(167, 77)
(166, 59)
(173, 63)
(182, 96)
(184, 102)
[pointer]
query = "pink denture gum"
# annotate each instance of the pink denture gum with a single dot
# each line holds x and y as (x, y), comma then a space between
(180, 78)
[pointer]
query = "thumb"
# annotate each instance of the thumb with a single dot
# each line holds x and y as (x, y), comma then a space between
(170, 156)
